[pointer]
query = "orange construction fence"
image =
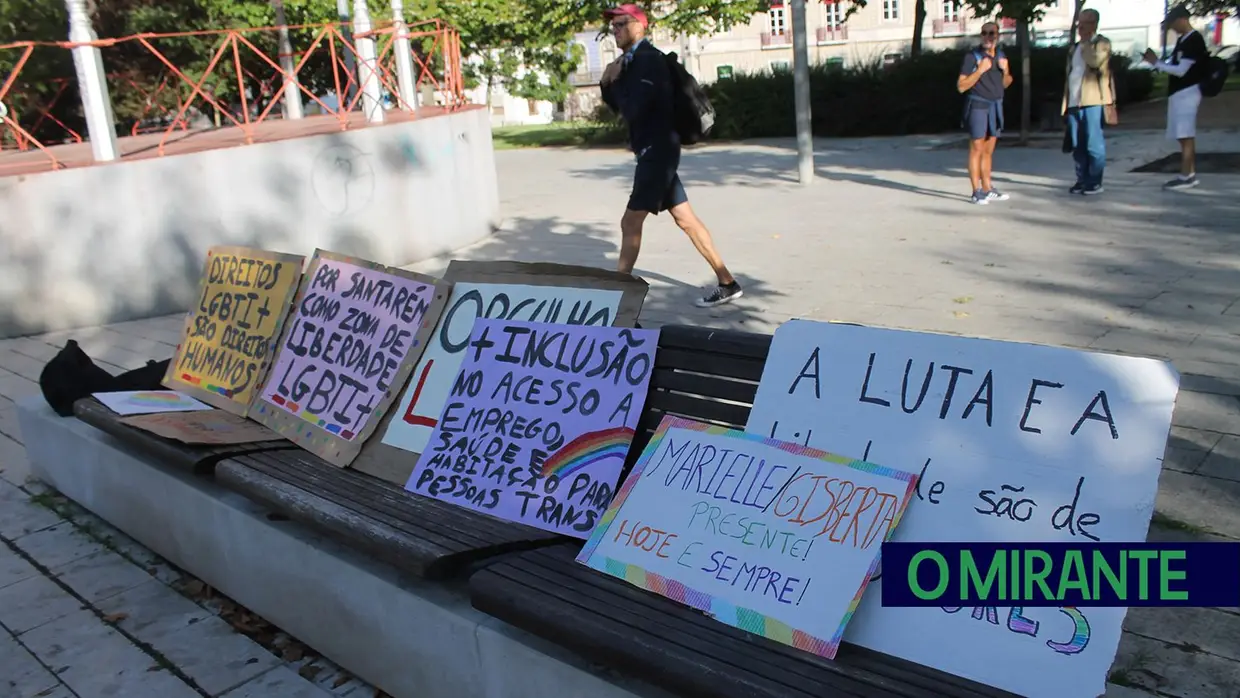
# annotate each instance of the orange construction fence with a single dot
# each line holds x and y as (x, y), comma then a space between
(239, 67)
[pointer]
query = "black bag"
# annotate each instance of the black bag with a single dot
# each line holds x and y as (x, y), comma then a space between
(71, 375)
(1216, 74)
(692, 111)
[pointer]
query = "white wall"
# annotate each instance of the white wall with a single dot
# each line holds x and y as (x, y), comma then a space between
(114, 242)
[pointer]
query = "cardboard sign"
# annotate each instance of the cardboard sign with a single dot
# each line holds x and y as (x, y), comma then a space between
(149, 402)
(767, 536)
(231, 332)
(208, 427)
(538, 422)
(551, 293)
(1012, 442)
(354, 333)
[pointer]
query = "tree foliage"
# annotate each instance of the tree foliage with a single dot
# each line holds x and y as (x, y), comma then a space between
(1210, 8)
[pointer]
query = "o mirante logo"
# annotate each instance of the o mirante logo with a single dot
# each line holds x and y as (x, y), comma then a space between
(1061, 574)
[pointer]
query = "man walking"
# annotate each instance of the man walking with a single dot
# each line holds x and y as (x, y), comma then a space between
(1088, 92)
(983, 77)
(638, 85)
(1186, 69)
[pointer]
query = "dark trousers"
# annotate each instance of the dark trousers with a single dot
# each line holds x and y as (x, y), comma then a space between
(1089, 149)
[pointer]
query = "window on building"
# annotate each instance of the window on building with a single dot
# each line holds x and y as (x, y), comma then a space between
(834, 14)
(779, 20)
(891, 9)
(951, 11)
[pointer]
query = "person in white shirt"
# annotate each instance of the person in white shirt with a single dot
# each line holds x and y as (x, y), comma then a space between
(1187, 69)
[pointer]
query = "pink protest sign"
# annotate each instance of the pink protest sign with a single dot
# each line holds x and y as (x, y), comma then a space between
(538, 422)
(354, 332)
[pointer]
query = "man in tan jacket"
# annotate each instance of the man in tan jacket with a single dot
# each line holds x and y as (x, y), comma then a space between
(1089, 96)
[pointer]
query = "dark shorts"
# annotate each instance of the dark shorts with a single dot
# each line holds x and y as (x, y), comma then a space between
(656, 186)
(977, 122)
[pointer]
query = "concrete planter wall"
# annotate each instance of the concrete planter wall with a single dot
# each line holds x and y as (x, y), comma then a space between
(103, 244)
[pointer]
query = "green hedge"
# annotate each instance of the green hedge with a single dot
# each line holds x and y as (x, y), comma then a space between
(916, 95)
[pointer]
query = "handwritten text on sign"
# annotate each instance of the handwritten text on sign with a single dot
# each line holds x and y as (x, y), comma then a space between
(234, 324)
(424, 398)
(349, 335)
(1013, 442)
(771, 537)
(538, 422)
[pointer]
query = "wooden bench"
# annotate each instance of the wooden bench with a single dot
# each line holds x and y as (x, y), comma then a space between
(197, 459)
(707, 375)
(421, 536)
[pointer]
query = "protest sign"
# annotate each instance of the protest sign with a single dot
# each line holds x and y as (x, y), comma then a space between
(552, 293)
(1012, 442)
(538, 422)
(767, 536)
(355, 330)
(231, 332)
(205, 427)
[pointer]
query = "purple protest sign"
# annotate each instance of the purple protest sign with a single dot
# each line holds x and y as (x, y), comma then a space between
(538, 422)
(343, 353)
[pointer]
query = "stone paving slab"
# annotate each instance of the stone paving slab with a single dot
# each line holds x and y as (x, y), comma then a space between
(883, 237)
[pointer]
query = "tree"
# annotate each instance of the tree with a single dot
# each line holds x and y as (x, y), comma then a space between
(1025, 12)
(919, 22)
(1210, 8)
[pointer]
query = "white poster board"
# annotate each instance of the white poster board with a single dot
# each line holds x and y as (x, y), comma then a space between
(433, 374)
(1012, 442)
(767, 536)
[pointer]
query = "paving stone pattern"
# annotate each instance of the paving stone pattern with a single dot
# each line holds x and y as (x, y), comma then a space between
(883, 237)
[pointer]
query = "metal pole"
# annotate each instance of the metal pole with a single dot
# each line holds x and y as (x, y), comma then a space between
(372, 90)
(404, 59)
(350, 65)
(800, 84)
(92, 84)
(292, 93)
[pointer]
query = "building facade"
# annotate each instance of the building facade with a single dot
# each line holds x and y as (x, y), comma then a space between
(881, 32)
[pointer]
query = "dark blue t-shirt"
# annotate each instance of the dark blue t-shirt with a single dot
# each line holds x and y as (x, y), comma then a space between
(990, 86)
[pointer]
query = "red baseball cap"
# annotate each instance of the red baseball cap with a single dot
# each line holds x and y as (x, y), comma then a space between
(627, 10)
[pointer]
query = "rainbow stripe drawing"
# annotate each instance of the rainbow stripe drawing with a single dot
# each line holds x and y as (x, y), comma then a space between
(587, 450)
(149, 402)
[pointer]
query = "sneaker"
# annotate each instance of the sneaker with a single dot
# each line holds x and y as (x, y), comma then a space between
(996, 195)
(1092, 189)
(1181, 182)
(980, 198)
(1077, 188)
(722, 294)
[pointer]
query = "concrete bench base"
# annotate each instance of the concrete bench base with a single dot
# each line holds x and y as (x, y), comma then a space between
(411, 638)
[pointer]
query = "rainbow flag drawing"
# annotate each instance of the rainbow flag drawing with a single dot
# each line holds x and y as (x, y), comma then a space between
(589, 449)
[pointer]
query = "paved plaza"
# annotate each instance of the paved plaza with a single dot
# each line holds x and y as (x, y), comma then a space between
(884, 236)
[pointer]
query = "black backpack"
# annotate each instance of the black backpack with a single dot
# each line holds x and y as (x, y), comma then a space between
(1216, 74)
(692, 111)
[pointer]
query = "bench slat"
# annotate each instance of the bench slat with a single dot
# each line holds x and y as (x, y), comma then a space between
(744, 368)
(420, 535)
(704, 385)
(198, 459)
(732, 342)
(700, 409)
(777, 672)
(849, 658)
(582, 601)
